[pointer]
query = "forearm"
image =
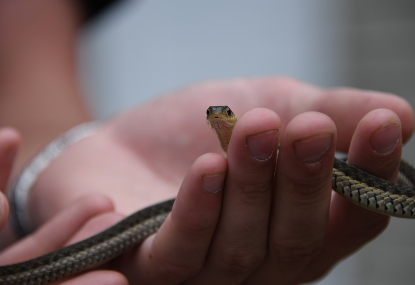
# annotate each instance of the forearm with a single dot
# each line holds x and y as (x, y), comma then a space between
(39, 90)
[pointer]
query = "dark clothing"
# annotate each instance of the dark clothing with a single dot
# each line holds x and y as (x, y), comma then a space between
(92, 8)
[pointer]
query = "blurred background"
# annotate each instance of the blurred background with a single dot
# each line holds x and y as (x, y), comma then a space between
(137, 50)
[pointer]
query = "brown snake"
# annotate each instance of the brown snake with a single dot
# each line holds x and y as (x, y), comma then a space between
(359, 187)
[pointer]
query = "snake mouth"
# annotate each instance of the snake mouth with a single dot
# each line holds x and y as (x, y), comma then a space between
(219, 124)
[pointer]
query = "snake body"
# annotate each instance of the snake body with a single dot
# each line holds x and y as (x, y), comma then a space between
(359, 187)
(88, 253)
(374, 193)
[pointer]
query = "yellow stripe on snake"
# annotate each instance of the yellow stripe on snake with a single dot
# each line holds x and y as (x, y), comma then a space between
(359, 187)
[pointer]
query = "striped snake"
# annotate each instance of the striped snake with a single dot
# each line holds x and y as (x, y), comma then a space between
(359, 187)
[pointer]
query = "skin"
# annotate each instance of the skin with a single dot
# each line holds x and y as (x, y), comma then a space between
(46, 239)
(156, 152)
(259, 228)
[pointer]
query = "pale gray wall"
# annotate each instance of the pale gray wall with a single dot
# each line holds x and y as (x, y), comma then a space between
(383, 58)
(143, 48)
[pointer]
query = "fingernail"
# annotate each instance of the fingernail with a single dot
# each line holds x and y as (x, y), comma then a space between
(312, 150)
(385, 140)
(213, 183)
(262, 146)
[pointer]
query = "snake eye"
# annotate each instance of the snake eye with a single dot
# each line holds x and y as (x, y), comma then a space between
(207, 112)
(229, 112)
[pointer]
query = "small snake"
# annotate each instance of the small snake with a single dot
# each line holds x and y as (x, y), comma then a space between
(359, 187)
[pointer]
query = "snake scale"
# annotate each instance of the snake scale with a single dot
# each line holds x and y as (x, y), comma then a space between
(359, 187)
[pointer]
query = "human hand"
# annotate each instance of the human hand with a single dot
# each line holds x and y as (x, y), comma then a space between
(253, 234)
(93, 208)
(84, 218)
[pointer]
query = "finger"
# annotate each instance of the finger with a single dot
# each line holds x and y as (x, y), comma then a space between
(301, 199)
(9, 144)
(101, 277)
(240, 241)
(48, 238)
(95, 225)
(348, 106)
(376, 148)
(290, 97)
(179, 248)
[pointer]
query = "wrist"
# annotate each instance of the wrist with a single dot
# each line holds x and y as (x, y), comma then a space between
(20, 189)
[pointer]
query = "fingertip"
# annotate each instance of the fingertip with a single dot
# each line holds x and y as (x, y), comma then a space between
(376, 145)
(206, 177)
(309, 123)
(377, 117)
(308, 138)
(258, 120)
(405, 112)
(254, 140)
(95, 203)
(348, 106)
(95, 225)
(209, 163)
(10, 140)
(307, 153)
(97, 215)
(10, 135)
(209, 171)
(9, 144)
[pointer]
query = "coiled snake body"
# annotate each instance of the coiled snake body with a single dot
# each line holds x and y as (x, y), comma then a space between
(359, 187)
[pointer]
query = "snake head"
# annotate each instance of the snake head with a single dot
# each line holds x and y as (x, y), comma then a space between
(222, 120)
(220, 113)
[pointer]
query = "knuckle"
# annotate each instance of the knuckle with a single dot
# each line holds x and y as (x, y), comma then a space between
(253, 190)
(298, 252)
(173, 270)
(236, 261)
(198, 227)
(315, 180)
(194, 225)
(310, 190)
(388, 166)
